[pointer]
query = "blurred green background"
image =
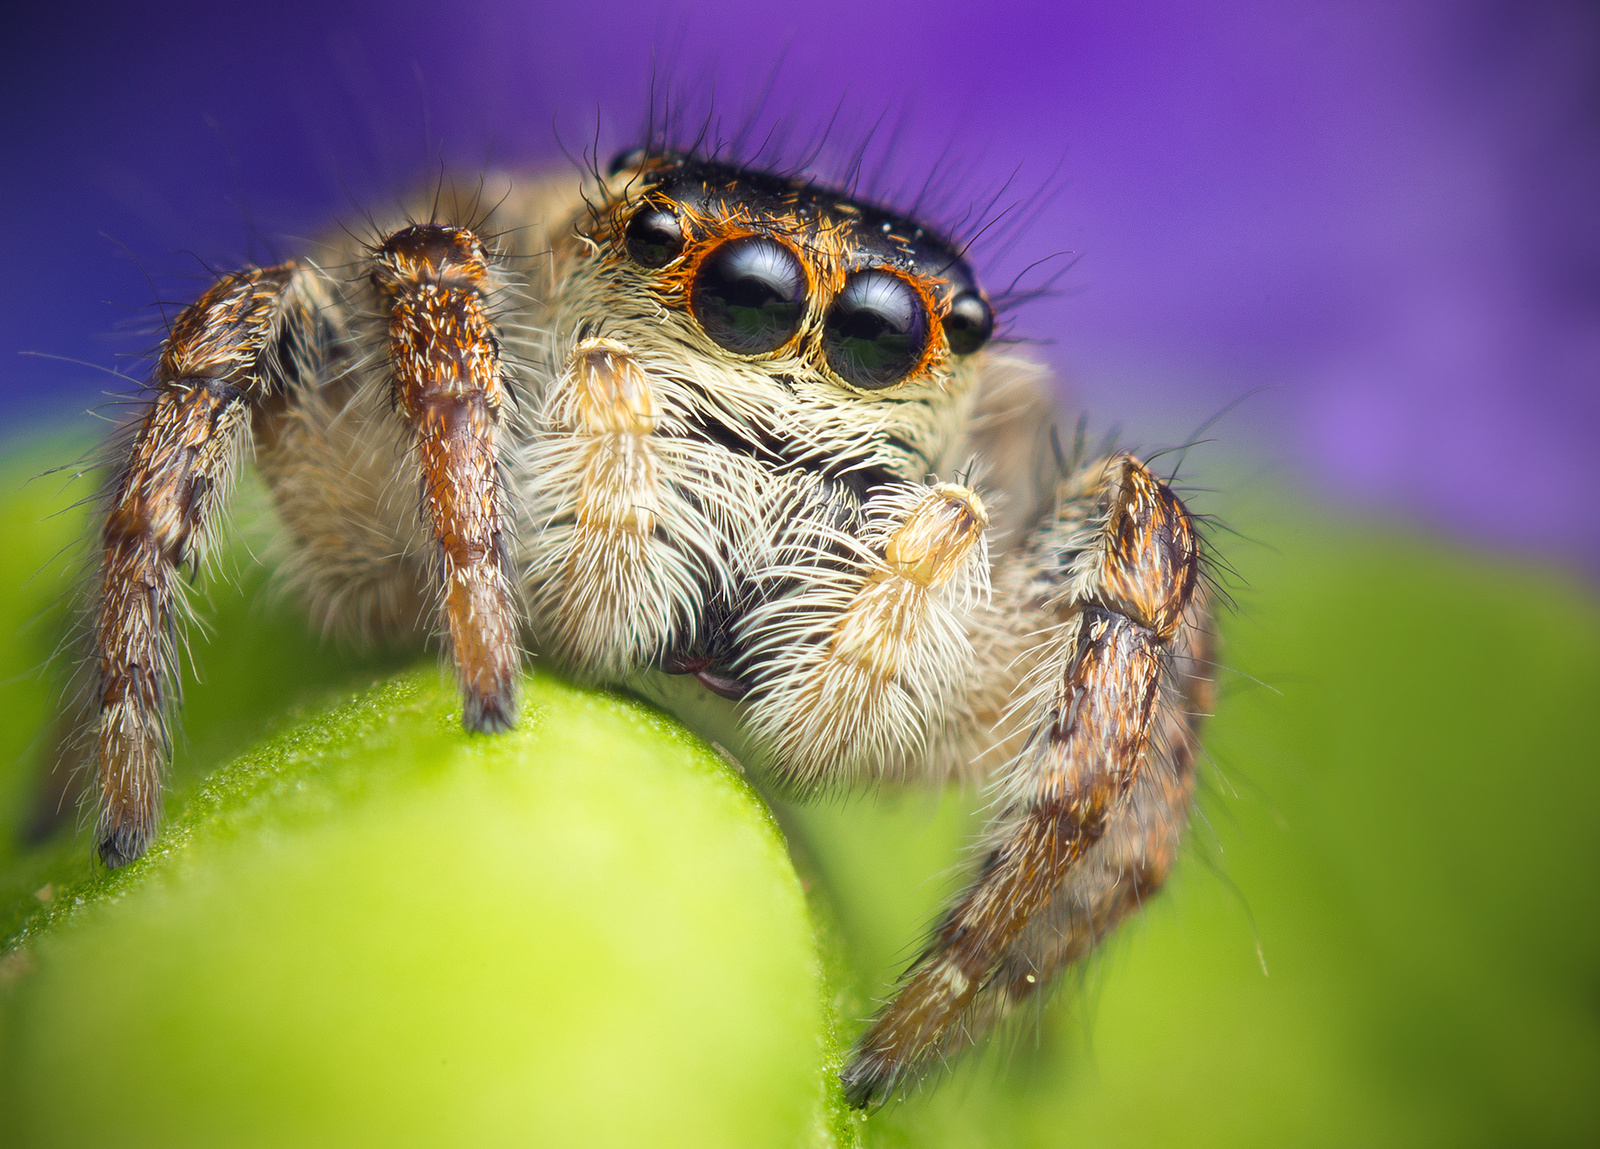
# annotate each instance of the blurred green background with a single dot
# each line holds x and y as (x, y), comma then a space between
(1385, 929)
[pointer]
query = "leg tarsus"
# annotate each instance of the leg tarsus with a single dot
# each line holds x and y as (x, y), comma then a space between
(121, 844)
(488, 713)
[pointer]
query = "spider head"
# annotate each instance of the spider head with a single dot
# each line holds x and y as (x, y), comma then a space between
(838, 325)
(777, 270)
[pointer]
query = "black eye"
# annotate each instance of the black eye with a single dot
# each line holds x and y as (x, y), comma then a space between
(622, 161)
(876, 330)
(750, 295)
(654, 237)
(969, 323)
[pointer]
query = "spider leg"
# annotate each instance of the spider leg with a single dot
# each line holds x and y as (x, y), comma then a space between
(229, 355)
(1089, 807)
(434, 282)
(856, 658)
(607, 587)
(1130, 862)
(641, 524)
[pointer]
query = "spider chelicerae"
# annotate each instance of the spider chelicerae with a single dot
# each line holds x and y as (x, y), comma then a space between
(733, 440)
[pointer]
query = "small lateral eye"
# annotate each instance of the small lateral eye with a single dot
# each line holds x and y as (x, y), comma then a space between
(654, 237)
(749, 295)
(876, 331)
(623, 160)
(969, 323)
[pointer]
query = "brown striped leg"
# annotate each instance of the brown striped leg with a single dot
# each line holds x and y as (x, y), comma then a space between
(435, 282)
(222, 360)
(1131, 861)
(1109, 742)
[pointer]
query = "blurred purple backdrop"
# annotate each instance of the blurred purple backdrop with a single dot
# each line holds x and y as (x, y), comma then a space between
(1385, 213)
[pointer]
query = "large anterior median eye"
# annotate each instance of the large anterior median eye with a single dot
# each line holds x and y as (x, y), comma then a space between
(750, 294)
(876, 330)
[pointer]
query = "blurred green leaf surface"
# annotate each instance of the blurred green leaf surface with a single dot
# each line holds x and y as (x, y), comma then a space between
(1385, 931)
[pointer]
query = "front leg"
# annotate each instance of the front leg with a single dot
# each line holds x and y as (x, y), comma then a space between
(435, 283)
(227, 356)
(1090, 806)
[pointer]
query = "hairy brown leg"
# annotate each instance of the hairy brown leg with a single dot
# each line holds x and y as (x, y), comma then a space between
(1130, 862)
(222, 359)
(448, 384)
(1104, 695)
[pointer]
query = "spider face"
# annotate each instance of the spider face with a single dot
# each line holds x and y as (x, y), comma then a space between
(784, 351)
(781, 269)
(721, 436)
(782, 301)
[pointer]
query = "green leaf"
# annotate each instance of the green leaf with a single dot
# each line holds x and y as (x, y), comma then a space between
(372, 927)
(1400, 820)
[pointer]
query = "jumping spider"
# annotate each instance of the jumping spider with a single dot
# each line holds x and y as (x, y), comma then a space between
(738, 442)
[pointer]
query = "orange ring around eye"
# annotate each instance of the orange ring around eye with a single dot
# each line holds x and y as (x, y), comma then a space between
(750, 294)
(877, 329)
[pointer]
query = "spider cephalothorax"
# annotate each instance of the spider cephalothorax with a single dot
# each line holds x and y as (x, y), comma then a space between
(739, 442)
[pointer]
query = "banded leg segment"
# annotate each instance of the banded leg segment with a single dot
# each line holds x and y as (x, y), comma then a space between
(163, 511)
(448, 384)
(1103, 701)
(1130, 862)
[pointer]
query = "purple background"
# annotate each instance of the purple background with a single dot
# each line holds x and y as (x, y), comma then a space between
(1385, 214)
